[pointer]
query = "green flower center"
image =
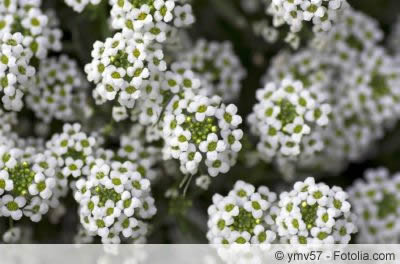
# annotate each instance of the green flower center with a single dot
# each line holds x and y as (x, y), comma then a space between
(288, 112)
(22, 177)
(139, 3)
(120, 60)
(75, 155)
(387, 206)
(244, 221)
(309, 214)
(379, 85)
(105, 195)
(200, 130)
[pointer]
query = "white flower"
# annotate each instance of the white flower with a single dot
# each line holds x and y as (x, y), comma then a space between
(12, 206)
(212, 146)
(5, 183)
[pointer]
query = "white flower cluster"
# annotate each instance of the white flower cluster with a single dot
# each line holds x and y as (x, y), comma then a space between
(120, 65)
(153, 18)
(157, 96)
(27, 183)
(322, 13)
(112, 188)
(25, 33)
(201, 130)
(346, 69)
(60, 90)
(74, 150)
(315, 213)
(285, 114)
(365, 100)
(243, 216)
(133, 148)
(354, 34)
(115, 201)
(316, 79)
(125, 65)
(79, 5)
(219, 68)
(376, 203)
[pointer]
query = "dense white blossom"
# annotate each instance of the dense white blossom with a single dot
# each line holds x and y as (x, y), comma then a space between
(120, 65)
(285, 114)
(27, 183)
(322, 13)
(152, 18)
(315, 213)
(244, 216)
(74, 151)
(60, 90)
(201, 130)
(25, 33)
(375, 200)
(115, 201)
(218, 66)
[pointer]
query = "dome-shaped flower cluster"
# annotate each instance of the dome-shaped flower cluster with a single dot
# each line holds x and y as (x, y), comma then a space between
(201, 130)
(60, 90)
(243, 216)
(347, 69)
(119, 67)
(315, 213)
(322, 13)
(27, 182)
(354, 34)
(365, 99)
(144, 156)
(218, 66)
(25, 33)
(376, 203)
(284, 114)
(115, 201)
(74, 149)
(153, 18)
(159, 94)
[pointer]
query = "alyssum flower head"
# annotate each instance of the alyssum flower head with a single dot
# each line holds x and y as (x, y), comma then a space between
(376, 203)
(284, 114)
(199, 130)
(120, 65)
(315, 213)
(115, 201)
(243, 216)
(27, 181)
(153, 18)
